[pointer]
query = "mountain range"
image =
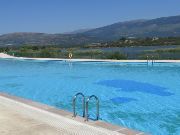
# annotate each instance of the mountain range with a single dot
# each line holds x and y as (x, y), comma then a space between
(159, 27)
(78, 31)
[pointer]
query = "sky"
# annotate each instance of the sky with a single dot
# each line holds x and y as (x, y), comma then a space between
(58, 16)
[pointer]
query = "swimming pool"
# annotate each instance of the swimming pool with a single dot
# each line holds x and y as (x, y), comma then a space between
(134, 95)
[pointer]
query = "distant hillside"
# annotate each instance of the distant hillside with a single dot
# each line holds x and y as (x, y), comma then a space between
(160, 27)
(78, 31)
(18, 39)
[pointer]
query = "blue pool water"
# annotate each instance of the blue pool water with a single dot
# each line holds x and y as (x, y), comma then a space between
(134, 95)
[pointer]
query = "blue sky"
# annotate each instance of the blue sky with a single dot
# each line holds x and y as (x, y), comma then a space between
(57, 16)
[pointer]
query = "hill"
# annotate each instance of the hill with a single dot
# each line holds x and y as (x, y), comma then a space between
(42, 39)
(78, 31)
(160, 27)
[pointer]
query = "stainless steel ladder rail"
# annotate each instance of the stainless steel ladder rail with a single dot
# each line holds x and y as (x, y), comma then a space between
(74, 104)
(147, 60)
(152, 60)
(97, 107)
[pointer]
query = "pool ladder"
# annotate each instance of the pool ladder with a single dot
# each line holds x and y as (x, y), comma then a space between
(152, 60)
(85, 105)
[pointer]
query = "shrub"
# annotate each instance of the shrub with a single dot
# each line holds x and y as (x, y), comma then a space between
(116, 56)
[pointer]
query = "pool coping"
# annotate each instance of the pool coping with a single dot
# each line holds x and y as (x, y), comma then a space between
(6, 56)
(66, 114)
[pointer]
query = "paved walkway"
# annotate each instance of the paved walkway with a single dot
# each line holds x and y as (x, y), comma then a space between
(13, 123)
(20, 119)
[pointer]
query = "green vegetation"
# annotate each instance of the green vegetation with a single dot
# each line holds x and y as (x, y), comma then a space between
(116, 56)
(35, 51)
(137, 50)
(162, 54)
(55, 52)
(6, 49)
(125, 42)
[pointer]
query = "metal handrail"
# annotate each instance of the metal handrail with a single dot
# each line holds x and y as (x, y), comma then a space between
(152, 60)
(97, 106)
(147, 59)
(74, 104)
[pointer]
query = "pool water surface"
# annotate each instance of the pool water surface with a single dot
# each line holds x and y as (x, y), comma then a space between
(133, 95)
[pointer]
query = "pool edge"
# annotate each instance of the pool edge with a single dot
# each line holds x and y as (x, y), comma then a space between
(66, 114)
(6, 56)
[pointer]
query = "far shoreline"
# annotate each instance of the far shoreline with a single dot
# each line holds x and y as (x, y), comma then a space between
(6, 56)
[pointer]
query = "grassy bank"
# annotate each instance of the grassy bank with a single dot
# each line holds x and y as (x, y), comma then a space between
(162, 54)
(93, 53)
(55, 52)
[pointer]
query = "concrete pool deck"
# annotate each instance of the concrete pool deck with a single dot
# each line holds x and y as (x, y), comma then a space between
(6, 56)
(19, 116)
